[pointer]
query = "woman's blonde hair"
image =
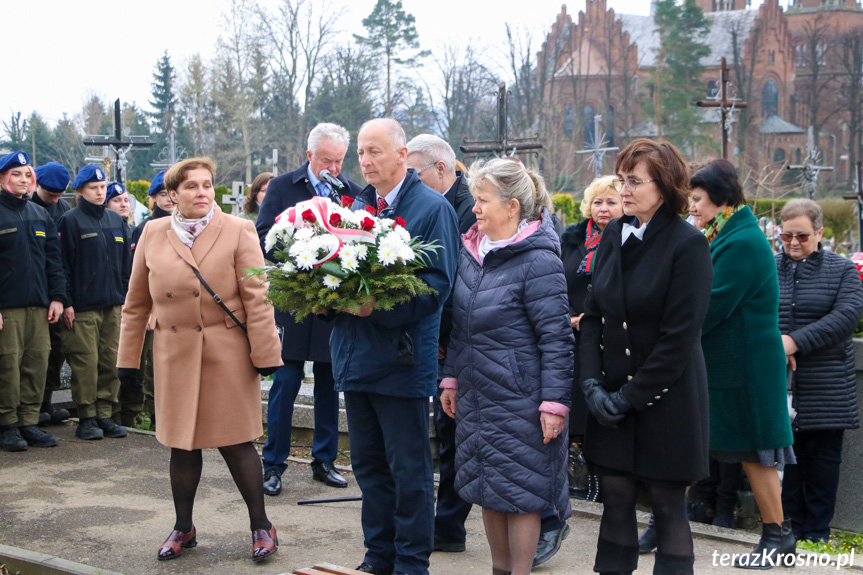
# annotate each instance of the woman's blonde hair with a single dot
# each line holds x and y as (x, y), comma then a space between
(511, 181)
(598, 187)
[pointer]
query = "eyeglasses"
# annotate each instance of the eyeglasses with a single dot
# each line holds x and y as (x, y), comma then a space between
(802, 238)
(426, 168)
(630, 183)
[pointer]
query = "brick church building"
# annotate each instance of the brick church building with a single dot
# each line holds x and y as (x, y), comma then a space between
(797, 67)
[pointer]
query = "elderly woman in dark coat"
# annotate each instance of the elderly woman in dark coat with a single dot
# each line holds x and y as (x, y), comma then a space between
(578, 245)
(509, 363)
(743, 352)
(642, 368)
(820, 303)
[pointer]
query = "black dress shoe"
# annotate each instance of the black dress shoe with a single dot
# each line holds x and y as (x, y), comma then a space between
(366, 567)
(327, 473)
(272, 482)
(449, 546)
(549, 544)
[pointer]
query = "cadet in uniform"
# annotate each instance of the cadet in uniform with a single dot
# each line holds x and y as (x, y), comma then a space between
(162, 205)
(32, 295)
(97, 263)
(130, 399)
(52, 179)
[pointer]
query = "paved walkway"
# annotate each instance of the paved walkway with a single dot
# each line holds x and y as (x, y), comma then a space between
(107, 504)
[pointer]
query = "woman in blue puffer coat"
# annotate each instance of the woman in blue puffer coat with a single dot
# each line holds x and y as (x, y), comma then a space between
(509, 363)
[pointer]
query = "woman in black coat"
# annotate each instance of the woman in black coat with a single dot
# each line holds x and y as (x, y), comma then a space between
(642, 368)
(578, 244)
(820, 302)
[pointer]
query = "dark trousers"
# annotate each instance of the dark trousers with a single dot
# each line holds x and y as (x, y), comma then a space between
(55, 360)
(280, 413)
(809, 487)
(452, 510)
(391, 459)
(721, 488)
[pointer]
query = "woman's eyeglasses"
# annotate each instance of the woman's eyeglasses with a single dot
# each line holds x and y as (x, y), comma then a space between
(802, 238)
(630, 184)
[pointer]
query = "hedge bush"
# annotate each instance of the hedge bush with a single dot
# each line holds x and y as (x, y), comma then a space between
(566, 206)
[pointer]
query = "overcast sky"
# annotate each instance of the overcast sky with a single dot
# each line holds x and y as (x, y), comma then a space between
(71, 49)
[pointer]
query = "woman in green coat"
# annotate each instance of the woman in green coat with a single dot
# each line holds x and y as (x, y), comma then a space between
(743, 352)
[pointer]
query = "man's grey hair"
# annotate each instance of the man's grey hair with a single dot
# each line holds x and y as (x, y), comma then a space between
(395, 130)
(433, 149)
(327, 130)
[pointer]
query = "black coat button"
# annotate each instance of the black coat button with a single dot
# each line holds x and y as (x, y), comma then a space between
(196, 293)
(174, 328)
(170, 294)
(198, 328)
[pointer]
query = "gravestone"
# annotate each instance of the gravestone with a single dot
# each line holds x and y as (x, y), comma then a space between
(849, 499)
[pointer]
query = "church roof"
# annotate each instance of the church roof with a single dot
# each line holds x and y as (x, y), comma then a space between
(720, 38)
(776, 125)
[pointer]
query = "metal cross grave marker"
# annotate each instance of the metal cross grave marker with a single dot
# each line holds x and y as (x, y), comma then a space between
(725, 104)
(597, 151)
(504, 145)
(235, 198)
(810, 167)
(118, 144)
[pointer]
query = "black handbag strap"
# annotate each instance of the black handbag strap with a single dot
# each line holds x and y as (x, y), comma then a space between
(218, 300)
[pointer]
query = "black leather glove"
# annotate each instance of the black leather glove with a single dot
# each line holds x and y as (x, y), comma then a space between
(599, 403)
(265, 371)
(617, 403)
(129, 379)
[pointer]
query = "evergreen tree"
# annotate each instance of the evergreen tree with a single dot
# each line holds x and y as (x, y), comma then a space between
(676, 81)
(15, 132)
(164, 101)
(392, 34)
(39, 140)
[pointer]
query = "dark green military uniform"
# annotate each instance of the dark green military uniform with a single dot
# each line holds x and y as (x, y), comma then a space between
(56, 359)
(31, 276)
(97, 263)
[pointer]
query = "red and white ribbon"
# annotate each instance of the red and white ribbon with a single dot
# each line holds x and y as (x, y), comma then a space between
(321, 208)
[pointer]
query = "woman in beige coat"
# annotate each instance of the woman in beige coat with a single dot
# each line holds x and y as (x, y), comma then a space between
(206, 368)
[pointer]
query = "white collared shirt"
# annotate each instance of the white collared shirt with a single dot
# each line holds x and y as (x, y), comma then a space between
(391, 197)
(630, 230)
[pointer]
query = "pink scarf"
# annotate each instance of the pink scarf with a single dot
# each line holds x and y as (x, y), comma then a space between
(188, 230)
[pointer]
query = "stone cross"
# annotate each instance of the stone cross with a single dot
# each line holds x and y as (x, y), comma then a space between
(597, 151)
(503, 144)
(725, 104)
(236, 197)
(810, 167)
(857, 196)
(118, 144)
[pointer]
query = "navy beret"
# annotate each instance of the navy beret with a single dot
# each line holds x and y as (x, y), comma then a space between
(88, 173)
(115, 189)
(158, 184)
(53, 177)
(14, 160)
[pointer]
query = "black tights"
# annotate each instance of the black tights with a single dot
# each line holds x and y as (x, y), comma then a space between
(245, 466)
(619, 496)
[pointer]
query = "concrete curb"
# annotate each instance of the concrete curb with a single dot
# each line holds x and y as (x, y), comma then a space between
(33, 563)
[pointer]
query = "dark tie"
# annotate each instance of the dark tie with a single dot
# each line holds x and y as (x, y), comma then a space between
(382, 203)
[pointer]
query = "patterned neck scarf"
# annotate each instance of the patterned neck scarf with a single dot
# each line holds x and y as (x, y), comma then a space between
(188, 230)
(714, 226)
(591, 242)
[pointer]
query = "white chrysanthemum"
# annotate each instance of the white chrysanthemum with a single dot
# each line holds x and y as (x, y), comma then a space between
(304, 234)
(306, 260)
(271, 240)
(387, 255)
(289, 267)
(402, 233)
(332, 281)
(386, 222)
(362, 252)
(349, 263)
(299, 247)
(348, 251)
(406, 254)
